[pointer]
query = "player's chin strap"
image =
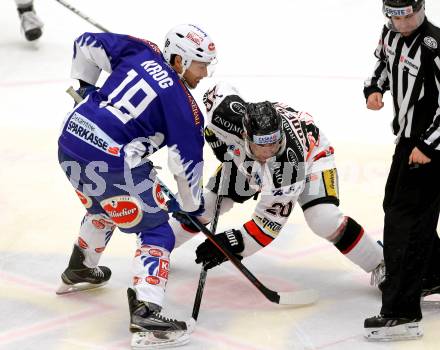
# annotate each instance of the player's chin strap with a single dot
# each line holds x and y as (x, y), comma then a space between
(296, 298)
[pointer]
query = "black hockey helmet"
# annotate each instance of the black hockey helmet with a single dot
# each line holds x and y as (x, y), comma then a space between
(263, 125)
(401, 7)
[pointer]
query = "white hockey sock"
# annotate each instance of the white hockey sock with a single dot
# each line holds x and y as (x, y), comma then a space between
(95, 232)
(150, 273)
(366, 253)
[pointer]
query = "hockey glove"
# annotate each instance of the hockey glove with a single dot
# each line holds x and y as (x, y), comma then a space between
(210, 256)
(173, 205)
(218, 147)
(85, 89)
(182, 217)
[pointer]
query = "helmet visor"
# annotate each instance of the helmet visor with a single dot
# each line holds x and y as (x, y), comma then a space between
(202, 69)
(211, 67)
(403, 19)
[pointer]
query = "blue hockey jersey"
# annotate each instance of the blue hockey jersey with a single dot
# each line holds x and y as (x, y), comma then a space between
(142, 107)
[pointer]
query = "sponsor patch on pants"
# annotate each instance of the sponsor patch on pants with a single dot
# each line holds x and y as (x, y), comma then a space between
(330, 182)
(158, 196)
(85, 200)
(125, 211)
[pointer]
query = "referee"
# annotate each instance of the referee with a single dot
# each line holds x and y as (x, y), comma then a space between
(409, 66)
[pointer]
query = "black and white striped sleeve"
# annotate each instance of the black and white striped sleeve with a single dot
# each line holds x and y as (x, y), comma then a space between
(379, 81)
(430, 141)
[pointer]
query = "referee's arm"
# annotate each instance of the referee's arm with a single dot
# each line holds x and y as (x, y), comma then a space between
(379, 81)
(429, 142)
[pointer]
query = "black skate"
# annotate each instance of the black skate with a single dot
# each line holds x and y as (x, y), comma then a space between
(150, 329)
(31, 24)
(431, 286)
(380, 328)
(79, 277)
(429, 289)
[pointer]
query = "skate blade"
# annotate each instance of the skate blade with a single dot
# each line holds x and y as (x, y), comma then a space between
(430, 304)
(431, 301)
(406, 331)
(73, 288)
(159, 339)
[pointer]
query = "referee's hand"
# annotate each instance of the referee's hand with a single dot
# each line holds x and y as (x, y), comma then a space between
(417, 157)
(374, 101)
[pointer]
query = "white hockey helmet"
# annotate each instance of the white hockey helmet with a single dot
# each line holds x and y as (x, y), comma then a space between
(191, 43)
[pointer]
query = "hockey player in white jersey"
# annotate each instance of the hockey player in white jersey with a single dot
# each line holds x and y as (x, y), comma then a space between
(272, 150)
(31, 24)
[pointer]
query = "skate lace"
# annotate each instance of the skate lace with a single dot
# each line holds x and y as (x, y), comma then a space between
(163, 318)
(378, 275)
(97, 272)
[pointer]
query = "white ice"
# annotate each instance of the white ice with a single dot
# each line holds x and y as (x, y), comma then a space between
(313, 55)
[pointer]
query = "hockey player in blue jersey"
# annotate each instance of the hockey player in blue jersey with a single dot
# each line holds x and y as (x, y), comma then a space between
(144, 104)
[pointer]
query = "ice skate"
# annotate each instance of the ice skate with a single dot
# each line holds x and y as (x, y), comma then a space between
(150, 329)
(431, 295)
(380, 328)
(31, 24)
(78, 277)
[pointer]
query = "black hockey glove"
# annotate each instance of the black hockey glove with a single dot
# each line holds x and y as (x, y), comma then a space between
(210, 256)
(85, 89)
(218, 147)
(183, 218)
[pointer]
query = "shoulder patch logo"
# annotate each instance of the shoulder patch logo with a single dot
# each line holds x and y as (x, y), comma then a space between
(430, 42)
(237, 108)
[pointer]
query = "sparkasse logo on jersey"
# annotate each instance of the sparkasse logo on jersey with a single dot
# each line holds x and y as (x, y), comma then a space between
(87, 131)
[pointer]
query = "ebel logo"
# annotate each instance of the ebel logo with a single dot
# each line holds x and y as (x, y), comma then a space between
(237, 108)
(430, 42)
(199, 30)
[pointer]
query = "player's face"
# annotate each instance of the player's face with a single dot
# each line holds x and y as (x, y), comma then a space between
(196, 72)
(264, 152)
(407, 24)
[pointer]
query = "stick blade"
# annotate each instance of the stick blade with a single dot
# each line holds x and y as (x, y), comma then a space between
(191, 325)
(299, 298)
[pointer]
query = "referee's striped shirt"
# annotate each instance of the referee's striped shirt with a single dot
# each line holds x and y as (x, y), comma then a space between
(410, 68)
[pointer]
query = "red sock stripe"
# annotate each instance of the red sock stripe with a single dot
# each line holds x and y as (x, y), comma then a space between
(355, 242)
(254, 230)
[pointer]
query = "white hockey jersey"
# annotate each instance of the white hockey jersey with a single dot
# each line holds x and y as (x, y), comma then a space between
(282, 180)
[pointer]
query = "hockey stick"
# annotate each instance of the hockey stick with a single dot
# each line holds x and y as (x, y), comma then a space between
(82, 15)
(298, 298)
(301, 297)
(204, 271)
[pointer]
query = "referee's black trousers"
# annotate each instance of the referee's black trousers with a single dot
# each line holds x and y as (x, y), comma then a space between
(411, 242)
